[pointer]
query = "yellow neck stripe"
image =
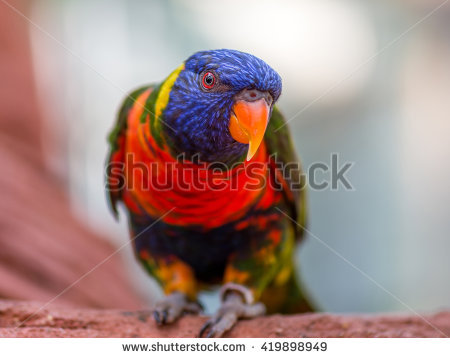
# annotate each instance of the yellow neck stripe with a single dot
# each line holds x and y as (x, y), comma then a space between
(166, 87)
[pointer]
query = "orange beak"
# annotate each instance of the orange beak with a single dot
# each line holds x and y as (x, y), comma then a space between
(248, 123)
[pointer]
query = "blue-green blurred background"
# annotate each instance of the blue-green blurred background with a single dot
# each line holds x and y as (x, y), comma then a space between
(371, 80)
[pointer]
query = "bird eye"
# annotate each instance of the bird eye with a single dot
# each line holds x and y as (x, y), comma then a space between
(208, 80)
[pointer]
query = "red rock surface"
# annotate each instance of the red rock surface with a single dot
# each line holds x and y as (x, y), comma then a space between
(67, 322)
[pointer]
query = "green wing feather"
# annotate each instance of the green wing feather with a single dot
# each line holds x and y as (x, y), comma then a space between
(116, 153)
(121, 123)
(279, 143)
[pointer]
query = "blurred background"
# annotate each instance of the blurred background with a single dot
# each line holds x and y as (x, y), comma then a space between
(369, 80)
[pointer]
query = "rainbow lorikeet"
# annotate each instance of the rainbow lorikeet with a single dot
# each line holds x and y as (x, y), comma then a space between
(201, 167)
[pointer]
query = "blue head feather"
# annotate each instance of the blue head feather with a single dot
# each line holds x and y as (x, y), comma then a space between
(201, 117)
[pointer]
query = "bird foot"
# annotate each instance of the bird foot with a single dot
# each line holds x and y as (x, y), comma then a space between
(237, 302)
(174, 306)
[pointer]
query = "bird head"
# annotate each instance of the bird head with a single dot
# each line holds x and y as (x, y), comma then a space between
(219, 105)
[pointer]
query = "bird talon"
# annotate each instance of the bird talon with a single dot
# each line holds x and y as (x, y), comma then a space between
(204, 328)
(164, 316)
(156, 317)
(230, 312)
(172, 307)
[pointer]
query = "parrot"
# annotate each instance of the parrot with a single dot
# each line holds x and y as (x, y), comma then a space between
(206, 171)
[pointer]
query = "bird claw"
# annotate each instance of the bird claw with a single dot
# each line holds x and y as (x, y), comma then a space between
(230, 312)
(216, 327)
(160, 316)
(172, 307)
